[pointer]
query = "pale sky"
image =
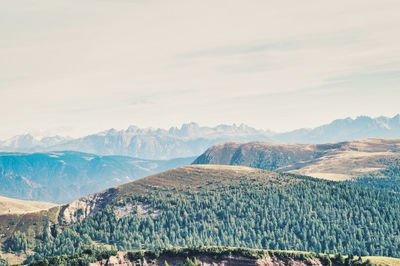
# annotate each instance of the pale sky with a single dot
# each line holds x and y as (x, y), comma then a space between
(74, 67)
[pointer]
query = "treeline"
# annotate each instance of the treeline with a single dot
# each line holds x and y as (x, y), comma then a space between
(18, 242)
(85, 258)
(309, 215)
(386, 179)
(189, 256)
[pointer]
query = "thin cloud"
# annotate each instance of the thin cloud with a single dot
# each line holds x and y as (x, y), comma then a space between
(161, 63)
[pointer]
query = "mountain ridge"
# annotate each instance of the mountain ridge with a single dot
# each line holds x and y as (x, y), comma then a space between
(191, 139)
(346, 129)
(16, 206)
(335, 161)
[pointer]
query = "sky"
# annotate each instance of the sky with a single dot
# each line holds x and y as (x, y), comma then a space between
(75, 67)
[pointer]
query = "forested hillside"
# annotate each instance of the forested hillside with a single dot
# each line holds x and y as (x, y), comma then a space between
(227, 206)
(388, 178)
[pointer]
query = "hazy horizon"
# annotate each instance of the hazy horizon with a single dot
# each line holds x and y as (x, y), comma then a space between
(75, 68)
(43, 134)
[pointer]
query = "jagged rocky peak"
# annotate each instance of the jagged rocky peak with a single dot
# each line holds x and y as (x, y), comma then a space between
(190, 129)
(191, 139)
(132, 129)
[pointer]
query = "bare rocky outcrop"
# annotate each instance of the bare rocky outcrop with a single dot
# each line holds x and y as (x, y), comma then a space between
(273, 261)
(84, 207)
(126, 210)
(145, 211)
(120, 259)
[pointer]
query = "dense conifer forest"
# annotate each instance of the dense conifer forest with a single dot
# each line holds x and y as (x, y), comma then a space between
(387, 178)
(287, 212)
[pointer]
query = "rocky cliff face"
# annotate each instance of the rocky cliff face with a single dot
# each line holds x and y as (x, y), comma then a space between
(82, 208)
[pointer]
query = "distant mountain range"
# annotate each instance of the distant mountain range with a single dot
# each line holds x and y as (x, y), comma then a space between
(61, 177)
(189, 140)
(192, 139)
(345, 129)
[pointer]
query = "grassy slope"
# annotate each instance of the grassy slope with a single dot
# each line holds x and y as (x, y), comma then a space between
(194, 177)
(32, 223)
(336, 161)
(25, 216)
(13, 259)
(15, 206)
(384, 261)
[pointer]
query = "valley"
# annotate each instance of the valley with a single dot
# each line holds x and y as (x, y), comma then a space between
(64, 176)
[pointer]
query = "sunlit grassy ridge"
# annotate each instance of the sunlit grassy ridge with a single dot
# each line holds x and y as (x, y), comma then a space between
(15, 206)
(198, 177)
(384, 261)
